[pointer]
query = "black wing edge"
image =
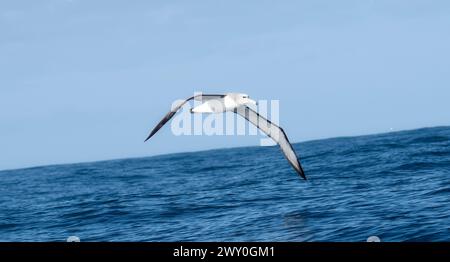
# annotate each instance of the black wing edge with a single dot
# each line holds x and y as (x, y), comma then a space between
(299, 170)
(166, 118)
(169, 115)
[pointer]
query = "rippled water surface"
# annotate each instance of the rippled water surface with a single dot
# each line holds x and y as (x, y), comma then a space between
(395, 186)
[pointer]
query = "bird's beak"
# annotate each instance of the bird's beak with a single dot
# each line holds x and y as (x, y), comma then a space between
(250, 101)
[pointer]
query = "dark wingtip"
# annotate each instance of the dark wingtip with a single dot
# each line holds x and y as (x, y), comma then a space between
(149, 136)
(301, 173)
(303, 176)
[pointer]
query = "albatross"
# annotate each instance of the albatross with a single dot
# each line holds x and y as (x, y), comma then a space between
(238, 103)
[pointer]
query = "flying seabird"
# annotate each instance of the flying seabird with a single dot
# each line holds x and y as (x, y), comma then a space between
(237, 103)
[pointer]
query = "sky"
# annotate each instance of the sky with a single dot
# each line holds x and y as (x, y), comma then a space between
(87, 80)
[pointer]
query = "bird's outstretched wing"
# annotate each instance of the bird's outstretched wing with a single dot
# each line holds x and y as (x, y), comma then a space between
(275, 132)
(174, 110)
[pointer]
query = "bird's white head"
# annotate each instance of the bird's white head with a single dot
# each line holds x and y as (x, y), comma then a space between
(244, 99)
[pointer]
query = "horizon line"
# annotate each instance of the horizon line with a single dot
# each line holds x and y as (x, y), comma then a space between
(221, 148)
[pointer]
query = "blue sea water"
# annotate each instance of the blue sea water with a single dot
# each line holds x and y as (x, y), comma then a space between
(395, 186)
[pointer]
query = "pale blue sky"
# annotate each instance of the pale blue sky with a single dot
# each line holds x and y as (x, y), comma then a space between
(86, 80)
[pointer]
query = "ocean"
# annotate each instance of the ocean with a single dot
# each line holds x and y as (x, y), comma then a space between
(395, 186)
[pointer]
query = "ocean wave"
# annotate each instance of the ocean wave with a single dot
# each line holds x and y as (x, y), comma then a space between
(395, 186)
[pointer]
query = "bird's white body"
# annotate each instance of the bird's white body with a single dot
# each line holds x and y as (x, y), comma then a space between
(229, 102)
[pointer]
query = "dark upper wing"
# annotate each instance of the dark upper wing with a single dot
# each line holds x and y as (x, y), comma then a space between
(174, 110)
(275, 132)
